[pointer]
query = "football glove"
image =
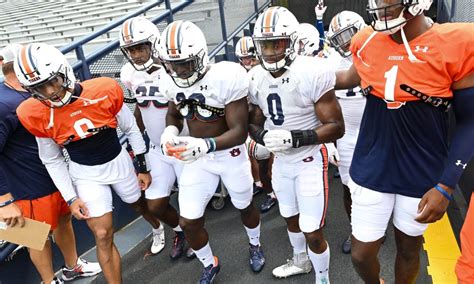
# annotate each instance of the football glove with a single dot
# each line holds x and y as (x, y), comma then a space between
(278, 140)
(333, 154)
(168, 139)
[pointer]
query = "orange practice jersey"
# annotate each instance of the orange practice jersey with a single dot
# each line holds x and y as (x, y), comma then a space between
(447, 51)
(100, 101)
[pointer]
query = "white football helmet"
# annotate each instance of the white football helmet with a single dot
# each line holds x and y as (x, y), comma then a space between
(342, 28)
(307, 42)
(37, 65)
(245, 52)
(137, 31)
(183, 53)
(388, 16)
(274, 37)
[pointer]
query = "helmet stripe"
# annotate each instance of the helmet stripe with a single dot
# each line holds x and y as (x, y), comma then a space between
(243, 46)
(24, 64)
(126, 31)
(268, 20)
(173, 37)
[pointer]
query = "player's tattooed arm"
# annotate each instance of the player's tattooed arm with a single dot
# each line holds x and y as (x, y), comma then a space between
(347, 79)
(256, 122)
(329, 112)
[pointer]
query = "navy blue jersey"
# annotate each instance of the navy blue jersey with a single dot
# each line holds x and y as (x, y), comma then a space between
(21, 170)
(400, 151)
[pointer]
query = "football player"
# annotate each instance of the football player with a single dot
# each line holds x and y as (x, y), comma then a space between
(412, 71)
(141, 75)
(213, 100)
(293, 111)
(82, 118)
(342, 28)
(26, 189)
(260, 157)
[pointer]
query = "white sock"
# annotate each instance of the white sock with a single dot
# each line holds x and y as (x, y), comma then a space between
(177, 229)
(258, 183)
(205, 255)
(159, 229)
(254, 235)
(320, 264)
(298, 242)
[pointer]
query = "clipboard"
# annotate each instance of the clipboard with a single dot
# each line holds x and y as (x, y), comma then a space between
(33, 235)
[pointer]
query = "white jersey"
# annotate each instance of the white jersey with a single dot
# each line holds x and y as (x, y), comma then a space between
(222, 84)
(343, 63)
(288, 101)
(151, 102)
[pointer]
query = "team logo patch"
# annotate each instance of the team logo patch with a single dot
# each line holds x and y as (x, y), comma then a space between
(308, 159)
(235, 152)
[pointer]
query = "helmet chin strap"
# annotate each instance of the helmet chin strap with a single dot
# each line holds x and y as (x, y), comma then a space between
(146, 66)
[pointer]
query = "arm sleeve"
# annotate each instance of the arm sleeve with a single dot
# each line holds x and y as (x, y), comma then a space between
(461, 150)
(128, 125)
(52, 157)
(320, 27)
(8, 124)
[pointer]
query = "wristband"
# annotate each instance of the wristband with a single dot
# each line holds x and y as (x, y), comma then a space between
(303, 138)
(71, 201)
(211, 144)
(8, 202)
(444, 192)
(142, 165)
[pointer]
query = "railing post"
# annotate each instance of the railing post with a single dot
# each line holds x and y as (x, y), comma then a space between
(168, 7)
(223, 27)
(85, 71)
(255, 4)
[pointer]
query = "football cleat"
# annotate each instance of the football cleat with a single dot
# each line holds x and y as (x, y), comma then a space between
(178, 245)
(158, 241)
(257, 259)
(268, 203)
(257, 189)
(299, 264)
(210, 272)
(82, 268)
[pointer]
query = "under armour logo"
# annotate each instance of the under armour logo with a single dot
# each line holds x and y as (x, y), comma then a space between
(203, 87)
(458, 163)
(286, 141)
(422, 49)
(283, 80)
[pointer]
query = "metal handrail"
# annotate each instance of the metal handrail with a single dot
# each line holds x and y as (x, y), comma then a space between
(112, 25)
(83, 62)
(229, 38)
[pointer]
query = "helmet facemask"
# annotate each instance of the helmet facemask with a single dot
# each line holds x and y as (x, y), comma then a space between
(59, 98)
(275, 53)
(142, 65)
(341, 40)
(186, 72)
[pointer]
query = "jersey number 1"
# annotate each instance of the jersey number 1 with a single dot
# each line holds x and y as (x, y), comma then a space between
(391, 78)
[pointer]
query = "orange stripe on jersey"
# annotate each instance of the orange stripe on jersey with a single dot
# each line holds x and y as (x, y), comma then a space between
(24, 64)
(173, 37)
(324, 154)
(267, 20)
